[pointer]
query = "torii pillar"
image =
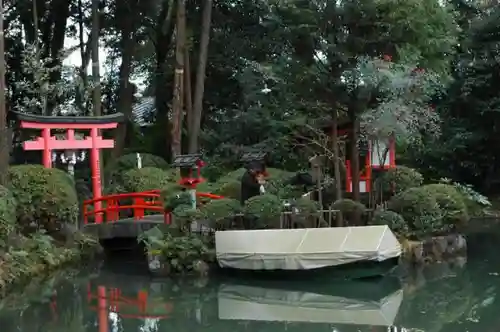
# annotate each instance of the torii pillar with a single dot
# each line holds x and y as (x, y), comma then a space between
(48, 143)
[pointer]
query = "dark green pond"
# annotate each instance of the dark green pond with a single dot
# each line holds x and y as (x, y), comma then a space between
(450, 298)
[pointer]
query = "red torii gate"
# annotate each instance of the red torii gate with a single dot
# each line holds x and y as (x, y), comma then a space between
(47, 143)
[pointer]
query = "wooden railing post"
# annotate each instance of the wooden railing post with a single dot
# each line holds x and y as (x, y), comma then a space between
(139, 212)
(112, 210)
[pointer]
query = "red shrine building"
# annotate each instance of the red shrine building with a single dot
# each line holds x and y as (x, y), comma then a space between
(375, 155)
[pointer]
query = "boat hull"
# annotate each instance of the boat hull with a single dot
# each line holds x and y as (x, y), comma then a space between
(351, 271)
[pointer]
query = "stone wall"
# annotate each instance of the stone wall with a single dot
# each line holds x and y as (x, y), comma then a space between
(436, 249)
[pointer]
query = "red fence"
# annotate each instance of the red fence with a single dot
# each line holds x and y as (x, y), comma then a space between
(133, 205)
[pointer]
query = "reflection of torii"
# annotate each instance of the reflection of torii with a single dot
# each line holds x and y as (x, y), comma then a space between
(108, 308)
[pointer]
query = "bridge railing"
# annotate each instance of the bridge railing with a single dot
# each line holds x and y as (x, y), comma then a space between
(133, 204)
(129, 205)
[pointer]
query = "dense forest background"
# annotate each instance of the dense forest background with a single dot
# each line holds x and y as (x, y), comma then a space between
(224, 76)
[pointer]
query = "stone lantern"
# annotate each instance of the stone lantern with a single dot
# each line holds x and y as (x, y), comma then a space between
(69, 158)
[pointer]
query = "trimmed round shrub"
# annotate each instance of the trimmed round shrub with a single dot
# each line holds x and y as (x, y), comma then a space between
(7, 212)
(451, 202)
(394, 220)
(399, 179)
(234, 175)
(219, 211)
(420, 210)
(307, 207)
(265, 209)
(475, 202)
(114, 176)
(145, 179)
(184, 215)
(228, 189)
(308, 213)
(349, 208)
(176, 198)
(129, 161)
(46, 197)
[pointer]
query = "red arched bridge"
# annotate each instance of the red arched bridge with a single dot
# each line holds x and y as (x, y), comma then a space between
(128, 215)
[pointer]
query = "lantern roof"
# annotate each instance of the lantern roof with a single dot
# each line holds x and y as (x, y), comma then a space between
(186, 160)
(253, 156)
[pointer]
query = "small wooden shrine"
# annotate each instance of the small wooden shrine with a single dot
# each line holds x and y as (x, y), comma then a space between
(375, 155)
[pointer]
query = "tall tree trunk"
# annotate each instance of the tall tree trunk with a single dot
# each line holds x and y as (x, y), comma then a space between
(128, 15)
(96, 75)
(4, 137)
(83, 47)
(336, 165)
(188, 93)
(165, 26)
(354, 156)
(178, 100)
(194, 131)
(188, 100)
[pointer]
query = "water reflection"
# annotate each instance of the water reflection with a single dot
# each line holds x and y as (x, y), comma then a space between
(444, 298)
(240, 302)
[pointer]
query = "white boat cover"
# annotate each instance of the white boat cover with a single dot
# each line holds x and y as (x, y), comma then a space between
(304, 249)
(260, 304)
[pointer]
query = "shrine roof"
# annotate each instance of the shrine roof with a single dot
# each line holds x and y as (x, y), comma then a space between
(117, 117)
(186, 160)
(253, 156)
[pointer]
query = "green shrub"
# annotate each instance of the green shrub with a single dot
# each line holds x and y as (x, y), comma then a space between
(46, 197)
(307, 207)
(181, 253)
(229, 185)
(349, 208)
(145, 179)
(205, 187)
(114, 176)
(219, 211)
(279, 184)
(7, 212)
(176, 198)
(228, 189)
(279, 174)
(129, 161)
(475, 202)
(308, 213)
(451, 202)
(399, 179)
(234, 175)
(420, 210)
(184, 215)
(392, 219)
(265, 209)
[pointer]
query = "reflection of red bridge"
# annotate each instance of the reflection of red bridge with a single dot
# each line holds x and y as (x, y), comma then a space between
(132, 205)
(112, 300)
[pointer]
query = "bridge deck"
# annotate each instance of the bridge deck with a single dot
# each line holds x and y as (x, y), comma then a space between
(131, 227)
